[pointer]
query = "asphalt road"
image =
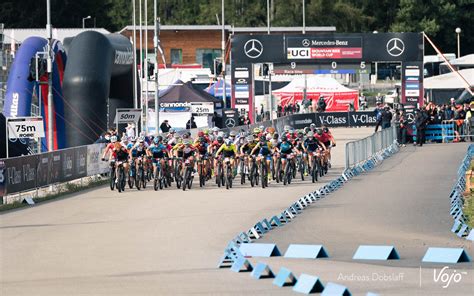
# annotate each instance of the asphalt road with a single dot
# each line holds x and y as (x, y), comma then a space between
(140, 243)
(403, 203)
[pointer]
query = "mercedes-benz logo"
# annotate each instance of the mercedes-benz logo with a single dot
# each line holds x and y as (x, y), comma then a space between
(395, 47)
(410, 117)
(230, 122)
(253, 48)
(306, 42)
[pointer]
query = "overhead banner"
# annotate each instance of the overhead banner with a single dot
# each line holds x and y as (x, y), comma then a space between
(25, 127)
(332, 48)
(127, 115)
(331, 119)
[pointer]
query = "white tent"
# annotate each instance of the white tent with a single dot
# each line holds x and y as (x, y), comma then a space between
(337, 96)
(450, 80)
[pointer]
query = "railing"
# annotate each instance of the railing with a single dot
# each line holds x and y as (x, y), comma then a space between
(24, 173)
(456, 130)
(363, 149)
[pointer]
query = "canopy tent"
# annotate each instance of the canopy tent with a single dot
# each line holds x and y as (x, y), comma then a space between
(181, 92)
(337, 96)
(443, 87)
(216, 89)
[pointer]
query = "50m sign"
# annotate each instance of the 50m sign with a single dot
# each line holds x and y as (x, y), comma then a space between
(25, 127)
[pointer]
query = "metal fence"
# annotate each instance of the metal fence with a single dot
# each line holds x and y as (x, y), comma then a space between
(361, 150)
(24, 173)
(456, 130)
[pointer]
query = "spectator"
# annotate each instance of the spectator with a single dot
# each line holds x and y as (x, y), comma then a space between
(448, 112)
(214, 119)
(191, 123)
(306, 105)
(165, 126)
(297, 107)
(378, 116)
(421, 119)
(401, 122)
(386, 117)
(321, 104)
(104, 138)
(314, 105)
(130, 130)
(246, 119)
(362, 102)
(279, 111)
(378, 99)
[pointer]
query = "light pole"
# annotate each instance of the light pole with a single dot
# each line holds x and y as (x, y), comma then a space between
(268, 16)
(84, 21)
(458, 32)
(50, 76)
(304, 18)
(156, 40)
(223, 57)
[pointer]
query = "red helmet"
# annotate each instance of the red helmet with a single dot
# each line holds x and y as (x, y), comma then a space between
(200, 134)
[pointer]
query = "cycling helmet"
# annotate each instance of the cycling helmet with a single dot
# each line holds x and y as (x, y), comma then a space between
(256, 130)
(206, 132)
(113, 139)
(310, 134)
(306, 130)
(215, 129)
(177, 136)
(201, 139)
(185, 136)
(284, 138)
(300, 133)
(133, 139)
(287, 128)
(187, 142)
(141, 139)
(275, 136)
(228, 141)
(220, 139)
(268, 137)
(261, 127)
(319, 131)
(263, 139)
(156, 141)
(250, 138)
(325, 129)
(270, 130)
(200, 133)
(172, 131)
(312, 125)
(158, 138)
(221, 134)
(232, 134)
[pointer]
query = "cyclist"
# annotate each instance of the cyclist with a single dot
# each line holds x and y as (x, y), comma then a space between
(202, 148)
(158, 151)
(215, 145)
(229, 150)
(137, 154)
(311, 145)
(188, 154)
(264, 149)
(118, 153)
(285, 148)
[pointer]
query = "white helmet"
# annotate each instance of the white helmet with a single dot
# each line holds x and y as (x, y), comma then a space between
(113, 139)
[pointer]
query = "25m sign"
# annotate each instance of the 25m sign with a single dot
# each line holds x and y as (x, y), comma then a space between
(25, 127)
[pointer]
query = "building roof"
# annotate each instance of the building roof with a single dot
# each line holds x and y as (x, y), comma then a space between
(233, 29)
(467, 60)
(450, 80)
(19, 35)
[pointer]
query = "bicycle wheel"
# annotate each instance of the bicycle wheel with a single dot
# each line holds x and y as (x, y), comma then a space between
(286, 174)
(112, 178)
(123, 181)
(190, 180)
(301, 168)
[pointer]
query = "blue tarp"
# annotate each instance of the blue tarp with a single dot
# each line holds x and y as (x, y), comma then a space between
(216, 89)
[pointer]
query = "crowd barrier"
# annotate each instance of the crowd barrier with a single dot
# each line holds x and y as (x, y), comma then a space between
(361, 150)
(460, 227)
(23, 173)
(302, 120)
(447, 131)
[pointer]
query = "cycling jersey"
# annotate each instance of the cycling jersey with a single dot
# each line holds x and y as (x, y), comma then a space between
(265, 148)
(138, 151)
(201, 148)
(285, 147)
(121, 154)
(311, 144)
(227, 151)
(248, 147)
(158, 150)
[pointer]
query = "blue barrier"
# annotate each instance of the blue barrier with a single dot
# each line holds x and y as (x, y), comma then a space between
(306, 251)
(376, 253)
(446, 255)
(262, 271)
(284, 278)
(259, 250)
(333, 289)
(308, 284)
(241, 264)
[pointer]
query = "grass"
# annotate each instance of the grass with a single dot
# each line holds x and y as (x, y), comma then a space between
(63, 191)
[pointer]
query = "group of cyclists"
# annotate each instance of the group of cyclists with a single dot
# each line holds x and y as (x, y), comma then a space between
(258, 156)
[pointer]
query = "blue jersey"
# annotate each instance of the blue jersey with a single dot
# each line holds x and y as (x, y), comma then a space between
(157, 150)
(285, 147)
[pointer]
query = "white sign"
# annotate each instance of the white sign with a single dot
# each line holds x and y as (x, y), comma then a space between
(412, 72)
(25, 127)
(127, 115)
(412, 92)
(202, 108)
(242, 94)
(241, 74)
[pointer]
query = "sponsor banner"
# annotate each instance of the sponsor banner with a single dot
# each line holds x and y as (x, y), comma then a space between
(55, 167)
(337, 71)
(241, 101)
(412, 92)
(127, 115)
(412, 72)
(94, 164)
(67, 165)
(43, 169)
(241, 74)
(241, 94)
(25, 127)
(202, 108)
(329, 119)
(241, 88)
(230, 117)
(80, 162)
(3, 179)
(20, 173)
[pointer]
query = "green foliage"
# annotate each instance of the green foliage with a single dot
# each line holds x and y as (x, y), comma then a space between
(437, 18)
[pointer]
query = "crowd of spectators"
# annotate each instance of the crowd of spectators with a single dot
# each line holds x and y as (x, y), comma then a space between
(430, 113)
